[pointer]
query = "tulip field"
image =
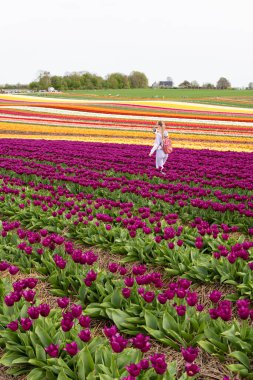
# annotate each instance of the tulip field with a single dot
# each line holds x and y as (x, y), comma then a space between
(111, 269)
(190, 125)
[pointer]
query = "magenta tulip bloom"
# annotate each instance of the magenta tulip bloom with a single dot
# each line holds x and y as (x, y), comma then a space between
(110, 331)
(26, 323)
(149, 296)
(189, 354)
(13, 325)
(85, 335)
(52, 350)
(126, 292)
(44, 309)
(215, 296)
(33, 312)
(71, 348)
(76, 310)
(84, 321)
(13, 270)
(63, 302)
(191, 369)
(133, 369)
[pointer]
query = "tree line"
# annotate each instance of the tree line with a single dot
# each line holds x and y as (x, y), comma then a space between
(88, 81)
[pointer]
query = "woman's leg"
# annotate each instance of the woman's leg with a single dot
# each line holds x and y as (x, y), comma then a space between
(159, 159)
(165, 158)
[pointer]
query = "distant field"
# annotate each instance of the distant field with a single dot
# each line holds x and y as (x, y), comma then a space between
(239, 98)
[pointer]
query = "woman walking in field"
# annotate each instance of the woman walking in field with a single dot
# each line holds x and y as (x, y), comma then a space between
(162, 146)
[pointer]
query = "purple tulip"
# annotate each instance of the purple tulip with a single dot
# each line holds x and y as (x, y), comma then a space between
(118, 343)
(133, 369)
(181, 310)
(84, 321)
(126, 292)
(189, 354)
(26, 323)
(13, 270)
(149, 296)
(31, 282)
(215, 296)
(144, 363)
(159, 363)
(52, 350)
(63, 302)
(33, 312)
(162, 298)
(44, 309)
(71, 348)
(110, 331)
(66, 324)
(191, 369)
(29, 295)
(85, 335)
(141, 342)
(113, 267)
(4, 265)
(76, 310)
(129, 281)
(9, 300)
(192, 299)
(13, 325)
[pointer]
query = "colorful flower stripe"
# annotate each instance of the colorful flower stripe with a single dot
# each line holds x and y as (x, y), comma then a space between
(131, 122)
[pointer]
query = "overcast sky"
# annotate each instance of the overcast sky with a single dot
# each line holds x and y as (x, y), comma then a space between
(186, 39)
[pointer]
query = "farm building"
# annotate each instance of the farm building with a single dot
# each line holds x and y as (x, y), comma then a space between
(168, 83)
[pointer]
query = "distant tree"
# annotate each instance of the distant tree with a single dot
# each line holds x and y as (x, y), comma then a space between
(34, 86)
(117, 80)
(223, 84)
(87, 81)
(194, 84)
(185, 84)
(250, 86)
(138, 79)
(57, 82)
(208, 85)
(44, 80)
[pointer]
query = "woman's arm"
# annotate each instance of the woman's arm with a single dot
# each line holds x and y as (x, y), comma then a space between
(156, 145)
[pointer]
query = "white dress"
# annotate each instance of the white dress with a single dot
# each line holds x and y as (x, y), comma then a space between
(161, 157)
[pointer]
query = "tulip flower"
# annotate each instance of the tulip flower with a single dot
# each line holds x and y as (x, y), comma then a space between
(52, 350)
(71, 348)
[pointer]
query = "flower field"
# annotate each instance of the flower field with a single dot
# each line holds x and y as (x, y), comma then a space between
(110, 270)
(190, 125)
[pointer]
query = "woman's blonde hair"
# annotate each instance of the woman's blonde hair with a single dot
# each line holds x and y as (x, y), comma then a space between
(162, 125)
